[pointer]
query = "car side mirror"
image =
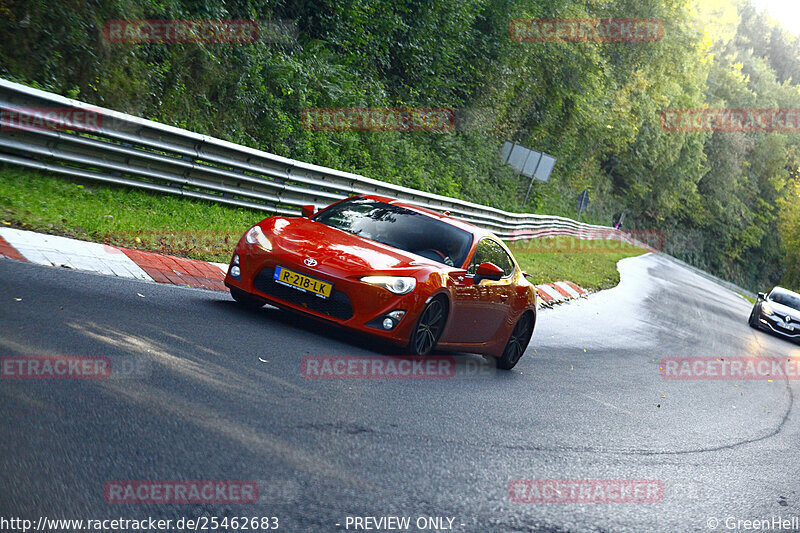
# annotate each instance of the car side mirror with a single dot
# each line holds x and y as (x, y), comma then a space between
(308, 210)
(762, 296)
(488, 271)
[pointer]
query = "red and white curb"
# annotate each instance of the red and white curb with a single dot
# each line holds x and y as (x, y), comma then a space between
(559, 292)
(51, 250)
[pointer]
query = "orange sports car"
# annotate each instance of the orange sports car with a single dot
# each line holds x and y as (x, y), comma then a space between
(411, 276)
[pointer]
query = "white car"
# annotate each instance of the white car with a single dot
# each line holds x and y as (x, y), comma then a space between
(778, 311)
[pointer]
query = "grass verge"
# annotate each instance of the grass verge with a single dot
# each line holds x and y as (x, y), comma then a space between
(203, 230)
(746, 297)
(590, 264)
(116, 215)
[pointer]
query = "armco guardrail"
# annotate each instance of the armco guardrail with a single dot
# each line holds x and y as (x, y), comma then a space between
(126, 150)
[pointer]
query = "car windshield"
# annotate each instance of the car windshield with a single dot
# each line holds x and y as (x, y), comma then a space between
(401, 228)
(789, 300)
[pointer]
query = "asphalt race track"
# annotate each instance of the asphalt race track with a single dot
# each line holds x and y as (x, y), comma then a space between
(219, 395)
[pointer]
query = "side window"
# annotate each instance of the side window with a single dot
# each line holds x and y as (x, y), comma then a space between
(489, 251)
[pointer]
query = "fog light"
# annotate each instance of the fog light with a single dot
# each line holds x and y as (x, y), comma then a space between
(387, 322)
(235, 271)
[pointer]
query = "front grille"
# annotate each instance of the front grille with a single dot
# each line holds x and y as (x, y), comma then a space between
(773, 325)
(337, 305)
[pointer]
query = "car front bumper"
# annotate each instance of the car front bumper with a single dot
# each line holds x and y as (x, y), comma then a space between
(777, 325)
(353, 304)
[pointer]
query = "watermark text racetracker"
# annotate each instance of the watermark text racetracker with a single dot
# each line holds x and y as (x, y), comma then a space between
(589, 241)
(585, 30)
(370, 367)
(731, 120)
(180, 492)
(176, 242)
(47, 367)
(230, 31)
(729, 368)
(586, 491)
(84, 118)
(377, 367)
(402, 119)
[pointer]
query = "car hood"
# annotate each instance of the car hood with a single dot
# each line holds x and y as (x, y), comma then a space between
(783, 311)
(335, 249)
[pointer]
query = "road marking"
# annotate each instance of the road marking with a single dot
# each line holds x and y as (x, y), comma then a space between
(606, 404)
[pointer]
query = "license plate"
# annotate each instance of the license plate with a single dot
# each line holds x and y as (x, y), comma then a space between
(302, 282)
(783, 324)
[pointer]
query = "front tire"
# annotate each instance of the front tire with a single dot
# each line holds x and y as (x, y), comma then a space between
(753, 320)
(517, 342)
(429, 327)
(246, 300)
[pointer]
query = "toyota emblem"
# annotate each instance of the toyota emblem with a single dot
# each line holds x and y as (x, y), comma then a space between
(310, 262)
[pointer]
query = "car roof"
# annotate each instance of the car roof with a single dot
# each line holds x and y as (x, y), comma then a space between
(466, 226)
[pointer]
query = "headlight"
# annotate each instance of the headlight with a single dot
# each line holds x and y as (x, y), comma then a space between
(766, 309)
(396, 284)
(256, 236)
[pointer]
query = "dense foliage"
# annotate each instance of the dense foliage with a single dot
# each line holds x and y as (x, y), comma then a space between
(727, 202)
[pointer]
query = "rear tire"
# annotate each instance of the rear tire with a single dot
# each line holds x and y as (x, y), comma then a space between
(517, 342)
(429, 327)
(246, 300)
